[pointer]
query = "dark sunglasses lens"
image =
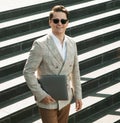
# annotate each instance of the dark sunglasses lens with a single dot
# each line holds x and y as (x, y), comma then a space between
(63, 21)
(56, 21)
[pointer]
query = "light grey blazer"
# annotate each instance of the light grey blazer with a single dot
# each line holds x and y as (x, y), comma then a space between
(45, 58)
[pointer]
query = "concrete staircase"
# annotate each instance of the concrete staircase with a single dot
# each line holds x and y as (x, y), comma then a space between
(95, 26)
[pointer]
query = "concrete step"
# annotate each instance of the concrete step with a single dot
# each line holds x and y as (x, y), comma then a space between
(98, 98)
(80, 24)
(96, 102)
(16, 107)
(110, 114)
(45, 14)
(117, 121)
(19, 9)
(27, 24)
(15, 85)
(24, 42)
(98, 54)
(13, 5)
(101, 75)
(16, 63)
(12, 87)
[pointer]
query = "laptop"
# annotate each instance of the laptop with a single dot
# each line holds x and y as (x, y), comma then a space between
(55, 86)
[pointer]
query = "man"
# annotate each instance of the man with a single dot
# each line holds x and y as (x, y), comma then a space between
(47, 56)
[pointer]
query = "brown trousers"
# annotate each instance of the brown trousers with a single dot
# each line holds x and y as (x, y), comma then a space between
(55, 115)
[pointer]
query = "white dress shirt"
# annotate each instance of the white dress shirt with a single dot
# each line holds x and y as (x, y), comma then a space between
(61, 48)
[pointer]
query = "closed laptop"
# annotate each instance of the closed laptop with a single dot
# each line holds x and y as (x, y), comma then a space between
(55, 86)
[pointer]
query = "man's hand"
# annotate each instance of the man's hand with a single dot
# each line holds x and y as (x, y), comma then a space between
(78, 104)
(48, 100)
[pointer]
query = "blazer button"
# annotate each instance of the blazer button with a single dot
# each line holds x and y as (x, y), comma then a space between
(56, 67)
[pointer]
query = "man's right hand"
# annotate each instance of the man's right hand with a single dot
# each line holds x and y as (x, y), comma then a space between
(48, 100)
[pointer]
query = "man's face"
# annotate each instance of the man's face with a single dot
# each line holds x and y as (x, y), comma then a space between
(58, 23)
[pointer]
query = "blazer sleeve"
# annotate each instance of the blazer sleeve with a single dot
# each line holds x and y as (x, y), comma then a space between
(77, 89)
(32, 64)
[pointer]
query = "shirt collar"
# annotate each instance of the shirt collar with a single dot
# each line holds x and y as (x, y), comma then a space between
(56, 40)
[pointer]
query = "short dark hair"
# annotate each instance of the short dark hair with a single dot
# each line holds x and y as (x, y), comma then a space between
(58, 8)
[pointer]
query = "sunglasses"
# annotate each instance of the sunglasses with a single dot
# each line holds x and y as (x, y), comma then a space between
(63, 21)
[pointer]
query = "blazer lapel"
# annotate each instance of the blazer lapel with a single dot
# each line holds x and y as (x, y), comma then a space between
(53, 49)
(69, 55)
